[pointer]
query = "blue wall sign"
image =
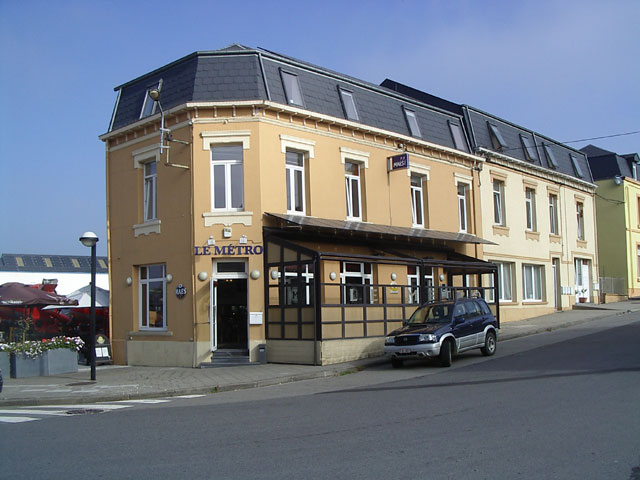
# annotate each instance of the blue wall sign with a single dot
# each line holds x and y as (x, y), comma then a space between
(228, 250)
(181, 291)
(398, 162)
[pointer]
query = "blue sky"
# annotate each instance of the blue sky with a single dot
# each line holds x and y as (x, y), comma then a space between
(568, 70)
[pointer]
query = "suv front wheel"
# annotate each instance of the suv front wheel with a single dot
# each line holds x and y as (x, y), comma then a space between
(446, 353)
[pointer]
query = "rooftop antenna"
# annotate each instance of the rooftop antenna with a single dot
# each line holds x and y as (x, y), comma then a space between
(165, 133)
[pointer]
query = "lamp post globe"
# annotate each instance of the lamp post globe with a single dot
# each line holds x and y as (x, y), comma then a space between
(89, 239)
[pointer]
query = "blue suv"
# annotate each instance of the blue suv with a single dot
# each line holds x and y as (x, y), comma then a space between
(443, 329)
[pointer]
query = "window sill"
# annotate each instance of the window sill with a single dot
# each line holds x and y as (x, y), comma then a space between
(553, 238)
(152, 226)
(532, 235)
(501, 230)
(581, 244)
(150, 333)
(227, 218)
(534, 302)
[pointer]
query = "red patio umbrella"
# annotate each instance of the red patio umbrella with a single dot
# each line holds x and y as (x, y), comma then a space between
(16, 294)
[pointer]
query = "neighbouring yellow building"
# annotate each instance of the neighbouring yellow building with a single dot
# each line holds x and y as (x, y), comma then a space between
(265, 209)
(618, 208)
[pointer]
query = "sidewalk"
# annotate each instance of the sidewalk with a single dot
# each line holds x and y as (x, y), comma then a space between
(126, 383)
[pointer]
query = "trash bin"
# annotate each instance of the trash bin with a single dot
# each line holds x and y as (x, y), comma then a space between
(262, 353)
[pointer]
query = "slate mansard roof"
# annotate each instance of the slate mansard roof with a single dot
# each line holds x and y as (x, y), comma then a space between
(11, 262)
(237, 73)
(606, 164)
(490, 133)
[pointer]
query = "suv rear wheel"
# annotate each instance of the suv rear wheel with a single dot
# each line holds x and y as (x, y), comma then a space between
(396, 363)
(489, 344)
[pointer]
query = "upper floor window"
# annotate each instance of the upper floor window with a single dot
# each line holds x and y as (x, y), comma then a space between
(152, 296)
(417, 201)
(295, 167)
(150, 193)
(530, 152)
(551, 159)
(530, 208)
(576, 166)
(463, 214)
(291, 88)
(580, 219)
(352, 184)
(553, 214)
(227, 177)
(412, 121)
(148, 104)
(348, 104)
(458, 136)
(497, 139)
(498, 203)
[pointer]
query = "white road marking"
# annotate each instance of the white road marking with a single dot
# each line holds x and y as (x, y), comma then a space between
(31, 412)
(143, 400)
(17, 419)
(189, 396)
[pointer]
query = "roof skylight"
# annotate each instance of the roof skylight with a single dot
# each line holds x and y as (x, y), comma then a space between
(412, 121)
(496, 137)
(291, 88)
(576, 166)
(349, 104)
(458, 136)
(551, 159)
(530, 151)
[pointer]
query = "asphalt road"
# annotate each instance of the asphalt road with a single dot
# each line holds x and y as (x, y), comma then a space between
(564, 404)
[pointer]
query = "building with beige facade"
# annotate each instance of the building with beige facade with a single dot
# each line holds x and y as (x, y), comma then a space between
(264, 209)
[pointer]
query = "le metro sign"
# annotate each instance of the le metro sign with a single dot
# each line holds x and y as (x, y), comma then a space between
(398, 162)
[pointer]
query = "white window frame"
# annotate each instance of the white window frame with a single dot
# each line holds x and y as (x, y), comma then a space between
(143, 320)
(530, 208)
(580, 220)
(499, 217)
(417, 199)
(532, 276)
(293, 186)
(463, 211)
(553, 214)
(349, 104)
(150, 191)
(366, 279)
(353, 183)
(228, 183)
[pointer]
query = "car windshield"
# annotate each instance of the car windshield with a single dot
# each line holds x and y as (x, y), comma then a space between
(432, 314)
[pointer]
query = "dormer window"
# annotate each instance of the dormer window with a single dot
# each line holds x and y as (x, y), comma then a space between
(348, 104)
(458, 136)
(530, 152)
(412, 122)
(496, 138)
(551, 159)
(576, 166)
(148, 104)
(291, 88)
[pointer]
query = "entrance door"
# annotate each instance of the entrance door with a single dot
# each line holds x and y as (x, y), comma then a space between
(582, 280)
(229, 295)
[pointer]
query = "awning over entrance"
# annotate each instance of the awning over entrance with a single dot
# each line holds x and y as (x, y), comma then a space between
(370, 231)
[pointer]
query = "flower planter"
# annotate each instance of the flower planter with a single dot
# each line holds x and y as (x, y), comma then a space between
(50, 362)
(23, 365)
(5, 365)
(582, 299)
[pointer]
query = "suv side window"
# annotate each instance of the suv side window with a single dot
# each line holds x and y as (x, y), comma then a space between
(484, 308)
(459, 311)
(472, 309)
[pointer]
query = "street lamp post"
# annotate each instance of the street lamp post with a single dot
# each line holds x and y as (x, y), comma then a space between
(89, 239)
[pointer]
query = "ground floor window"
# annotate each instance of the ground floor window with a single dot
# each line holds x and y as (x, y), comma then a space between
(298, 281)
(356, 277)
(505, 283)
(532, 282)
(152, 297)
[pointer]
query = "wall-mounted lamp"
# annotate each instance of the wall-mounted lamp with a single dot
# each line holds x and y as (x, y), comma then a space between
(168, 278)
(402, 146)
(128, 281)
(275, 274)
(255, 274)
(618, 180)
(332, 275)
(203, 276)
(442, 277)
(393, 277)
